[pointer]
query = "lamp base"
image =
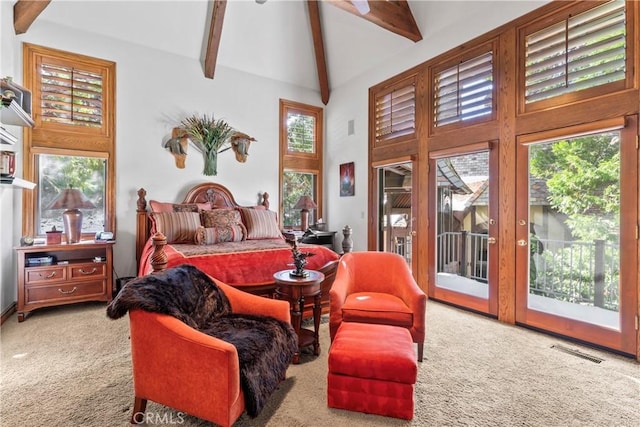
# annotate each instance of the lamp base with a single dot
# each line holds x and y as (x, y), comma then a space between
(304, 219)
(72, 219)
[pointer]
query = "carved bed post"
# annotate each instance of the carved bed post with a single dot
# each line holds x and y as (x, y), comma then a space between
(142, 225)
(158, 258)
(347, 242)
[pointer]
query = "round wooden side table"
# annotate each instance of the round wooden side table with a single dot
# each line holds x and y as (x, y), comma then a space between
(294, 290)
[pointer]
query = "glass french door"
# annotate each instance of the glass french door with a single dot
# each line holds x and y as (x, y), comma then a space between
(395, 211)
(463, 229)
(576, 256)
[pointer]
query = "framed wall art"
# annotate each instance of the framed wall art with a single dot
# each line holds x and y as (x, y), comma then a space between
(347, 179)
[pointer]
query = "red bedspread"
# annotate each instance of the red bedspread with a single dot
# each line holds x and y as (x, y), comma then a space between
(250, 262)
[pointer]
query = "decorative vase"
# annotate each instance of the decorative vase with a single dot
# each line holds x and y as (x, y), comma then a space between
(211, 163)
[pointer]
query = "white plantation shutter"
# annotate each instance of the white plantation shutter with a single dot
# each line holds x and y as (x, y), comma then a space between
(71, 96)
(464, 91)
(301, 133)
(581, 52)
(396, 113)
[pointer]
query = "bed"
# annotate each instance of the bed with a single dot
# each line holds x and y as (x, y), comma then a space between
(201, 230)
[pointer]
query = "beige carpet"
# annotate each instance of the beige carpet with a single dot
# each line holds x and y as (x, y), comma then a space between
(69, 366)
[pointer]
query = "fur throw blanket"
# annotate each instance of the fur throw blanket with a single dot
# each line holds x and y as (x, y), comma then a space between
(265, 345)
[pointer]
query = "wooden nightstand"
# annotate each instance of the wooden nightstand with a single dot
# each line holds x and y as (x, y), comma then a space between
(324, 238)
(74, 275)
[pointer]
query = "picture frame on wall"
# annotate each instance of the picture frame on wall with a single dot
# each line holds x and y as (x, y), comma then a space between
(347, 179)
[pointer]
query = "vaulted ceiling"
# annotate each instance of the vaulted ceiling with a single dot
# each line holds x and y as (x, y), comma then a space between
(309, 43)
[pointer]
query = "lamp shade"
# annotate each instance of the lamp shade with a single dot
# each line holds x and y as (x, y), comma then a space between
(305, 202)
(71, 198)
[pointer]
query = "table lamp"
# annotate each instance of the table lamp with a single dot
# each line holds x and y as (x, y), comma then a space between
(72, 200)
(305, 203)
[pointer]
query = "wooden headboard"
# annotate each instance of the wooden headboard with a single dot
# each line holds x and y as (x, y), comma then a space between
(208, 192)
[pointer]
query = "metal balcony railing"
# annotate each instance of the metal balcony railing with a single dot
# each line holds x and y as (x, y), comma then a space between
(584, 273)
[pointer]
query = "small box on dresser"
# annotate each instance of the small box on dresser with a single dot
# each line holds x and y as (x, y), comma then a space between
(73, 275)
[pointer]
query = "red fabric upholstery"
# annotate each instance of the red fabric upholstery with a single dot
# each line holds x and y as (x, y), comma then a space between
(169, 359)
(377, 287)
(372, 369)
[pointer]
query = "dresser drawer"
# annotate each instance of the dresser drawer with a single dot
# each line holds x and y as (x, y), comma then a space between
(82, 271)
(51, 273)
(65, 291)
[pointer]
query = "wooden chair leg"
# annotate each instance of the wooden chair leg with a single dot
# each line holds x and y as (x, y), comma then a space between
(139, 407)
(420, 351)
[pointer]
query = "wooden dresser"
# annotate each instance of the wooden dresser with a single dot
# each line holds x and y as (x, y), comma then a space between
(77, 272)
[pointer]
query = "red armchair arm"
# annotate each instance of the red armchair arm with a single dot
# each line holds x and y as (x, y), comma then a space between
(246, 303)
(338, 294)
(169, 359)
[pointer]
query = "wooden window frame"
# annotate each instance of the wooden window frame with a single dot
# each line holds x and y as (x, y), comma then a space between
(290, 161)
(468, 54)
(65, 139)
(555, 17)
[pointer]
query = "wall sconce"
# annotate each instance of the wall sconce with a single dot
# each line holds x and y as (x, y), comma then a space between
(72, 200)
(305, 203)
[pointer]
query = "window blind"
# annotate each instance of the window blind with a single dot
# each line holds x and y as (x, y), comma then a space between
(71, 96)
(396, 113)
(300, 133)
(581, 52)
(464, 91)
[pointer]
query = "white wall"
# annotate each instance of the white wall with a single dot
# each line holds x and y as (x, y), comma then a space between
(155, 89)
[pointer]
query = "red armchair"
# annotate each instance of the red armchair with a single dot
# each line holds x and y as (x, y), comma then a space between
(170, 358)
(377, 287)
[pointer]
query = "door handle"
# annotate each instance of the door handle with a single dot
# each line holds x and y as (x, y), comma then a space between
(491, 240)
(522, 242)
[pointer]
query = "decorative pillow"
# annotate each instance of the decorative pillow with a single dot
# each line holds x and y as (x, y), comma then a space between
(213, 235)
(178, 227)
(177, 207)
(220, 218)
(261, 224)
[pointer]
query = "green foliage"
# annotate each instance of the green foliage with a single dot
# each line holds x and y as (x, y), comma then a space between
(209, 136)
(300, 133)
(295, 184)
(583, 178)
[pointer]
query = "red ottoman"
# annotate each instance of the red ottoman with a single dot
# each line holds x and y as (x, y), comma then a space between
(372, 369)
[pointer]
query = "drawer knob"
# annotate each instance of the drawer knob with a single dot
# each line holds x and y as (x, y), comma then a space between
(53, 273)
(93, 270)
(68, 292)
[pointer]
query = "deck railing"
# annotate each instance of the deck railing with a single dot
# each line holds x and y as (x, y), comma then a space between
(579, 272)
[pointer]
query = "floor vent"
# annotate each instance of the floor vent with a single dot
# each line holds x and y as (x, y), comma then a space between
(578, 353)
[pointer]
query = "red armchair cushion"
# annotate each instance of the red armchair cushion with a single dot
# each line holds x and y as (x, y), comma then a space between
(375, 307)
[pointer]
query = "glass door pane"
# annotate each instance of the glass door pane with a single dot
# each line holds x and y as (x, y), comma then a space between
(462, 223)
(463, 219)
(395, 231)
(576, 249)
(574, 228)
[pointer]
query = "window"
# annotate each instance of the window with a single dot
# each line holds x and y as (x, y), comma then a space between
(72, 143)
(579, 52)
(463, 91)
(300, 160)
(395, 111)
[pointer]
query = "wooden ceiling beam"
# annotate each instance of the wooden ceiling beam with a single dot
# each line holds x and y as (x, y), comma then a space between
(25, 13)
(395, 16)
(213, 42)
(318, 47)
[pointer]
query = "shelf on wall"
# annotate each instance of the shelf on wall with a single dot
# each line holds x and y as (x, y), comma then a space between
(17, 182)
(13, 114)
(6, 137)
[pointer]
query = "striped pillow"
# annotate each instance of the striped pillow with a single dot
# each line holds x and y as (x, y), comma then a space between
(213, 235)
(260, 224)
(178, 227)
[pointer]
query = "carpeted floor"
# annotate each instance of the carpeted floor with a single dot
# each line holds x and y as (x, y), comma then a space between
(70, 366)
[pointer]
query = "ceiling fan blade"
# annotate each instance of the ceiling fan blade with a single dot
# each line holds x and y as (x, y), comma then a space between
(362, 6)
